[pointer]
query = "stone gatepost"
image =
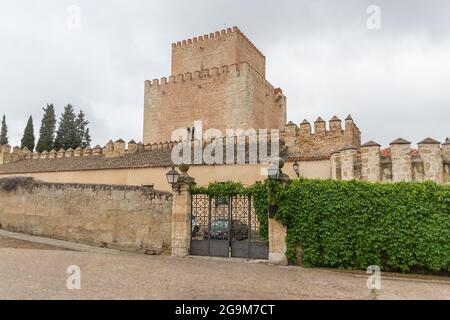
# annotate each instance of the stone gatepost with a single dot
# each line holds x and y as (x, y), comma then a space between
(431, 154)
(181, 215)
(348, 159)
(401, 160)
(278, 231)
(370, 162)
(277, 242)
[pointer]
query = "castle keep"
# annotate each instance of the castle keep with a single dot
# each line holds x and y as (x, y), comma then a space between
(219, 79)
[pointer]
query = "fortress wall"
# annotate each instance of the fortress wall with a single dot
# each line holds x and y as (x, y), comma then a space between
(400, 164)
(122, 217)
(247, 174)
(324, 139)
(234, 96)
(217, 49)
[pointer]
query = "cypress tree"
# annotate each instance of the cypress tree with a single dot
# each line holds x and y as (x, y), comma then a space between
(4, 132)
(83, 137)
(47, 130)
(28, 135)
(66, 136)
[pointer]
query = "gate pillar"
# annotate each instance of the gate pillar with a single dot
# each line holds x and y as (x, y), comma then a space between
(277, 242)
(181, 216)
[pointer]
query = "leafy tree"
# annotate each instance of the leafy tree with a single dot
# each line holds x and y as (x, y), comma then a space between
(66, 136)
(47, 130)
(28, 135)
(83, 137)
(4, 132)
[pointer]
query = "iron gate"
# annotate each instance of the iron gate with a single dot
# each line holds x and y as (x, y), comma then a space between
(226, 227)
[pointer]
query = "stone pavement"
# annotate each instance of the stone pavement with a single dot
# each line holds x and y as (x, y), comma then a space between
(35, 268)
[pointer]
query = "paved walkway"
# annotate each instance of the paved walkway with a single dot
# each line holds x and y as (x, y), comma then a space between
(35, 268)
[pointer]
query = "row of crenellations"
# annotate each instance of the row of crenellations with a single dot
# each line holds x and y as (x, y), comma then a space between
(112, 149)
(431, 161)
(215, 35)
(320, 127)
(213, 72)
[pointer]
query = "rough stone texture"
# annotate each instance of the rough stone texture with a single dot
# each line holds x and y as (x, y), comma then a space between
(301, 140)
(401, 161)
(215, 50)
(348, 159)
(370, 163)
(277, 242)
(181, 223)
(446, 157)
(124, 217)
(395, 164)
(220, 81)
(336, 166)
(431, 155)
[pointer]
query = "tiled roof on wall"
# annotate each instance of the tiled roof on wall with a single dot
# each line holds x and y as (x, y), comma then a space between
(145, 159)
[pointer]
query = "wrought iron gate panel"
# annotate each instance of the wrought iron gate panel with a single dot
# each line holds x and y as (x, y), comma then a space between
(226, 227)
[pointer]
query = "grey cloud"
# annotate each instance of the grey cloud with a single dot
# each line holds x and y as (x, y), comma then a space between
(393, 81)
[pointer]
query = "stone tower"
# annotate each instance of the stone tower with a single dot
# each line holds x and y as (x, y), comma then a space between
(217, 78)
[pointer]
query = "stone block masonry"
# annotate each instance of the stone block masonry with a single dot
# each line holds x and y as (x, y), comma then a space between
(122, 217)
(218, 79)
(303, 141)
(398, 163)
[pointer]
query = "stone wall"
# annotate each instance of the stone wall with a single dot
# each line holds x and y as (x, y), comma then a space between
(218, 79)
(324, 140)
(245, 173)
(431, 161)
(229, 97)
(122, 217)
(217, 49)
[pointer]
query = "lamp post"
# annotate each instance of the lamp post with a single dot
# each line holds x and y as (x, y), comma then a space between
(296, 167)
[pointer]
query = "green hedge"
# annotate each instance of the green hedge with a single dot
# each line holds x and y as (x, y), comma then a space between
(399, 227)
(352, 224)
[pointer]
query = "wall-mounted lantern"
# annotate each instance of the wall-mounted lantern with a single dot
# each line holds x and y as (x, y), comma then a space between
(172, 178)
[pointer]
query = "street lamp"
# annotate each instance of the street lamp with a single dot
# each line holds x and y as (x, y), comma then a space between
(296, 167)
(172, 177)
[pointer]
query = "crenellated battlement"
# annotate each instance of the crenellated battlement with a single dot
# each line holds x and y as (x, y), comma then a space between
(111, 149)
(225, 47)
(218, 78)
(398, 162)
(217, 35)
(323, 140)
(233, 70)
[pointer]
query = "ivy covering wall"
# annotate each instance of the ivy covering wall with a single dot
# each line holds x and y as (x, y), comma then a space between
(353, 224)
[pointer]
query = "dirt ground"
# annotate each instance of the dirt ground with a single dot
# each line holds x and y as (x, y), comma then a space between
(31, 270)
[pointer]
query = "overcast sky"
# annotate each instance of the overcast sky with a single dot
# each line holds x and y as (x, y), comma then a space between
(394, 81)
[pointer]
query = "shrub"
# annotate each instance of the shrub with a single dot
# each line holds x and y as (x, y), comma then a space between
(352, 224)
